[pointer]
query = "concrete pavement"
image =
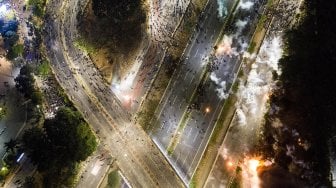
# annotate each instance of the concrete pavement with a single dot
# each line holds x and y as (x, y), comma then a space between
(136, 155)
(194, 138)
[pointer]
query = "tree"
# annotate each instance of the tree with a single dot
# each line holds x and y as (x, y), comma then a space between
(38, 7)
(11, 145)
(36, 97)
(15, 51)
(3, 111)
(65, 139)
(57, 148)
(70, 135)
(36, 144)
(10, 39)
(24, 82)
(29, 182)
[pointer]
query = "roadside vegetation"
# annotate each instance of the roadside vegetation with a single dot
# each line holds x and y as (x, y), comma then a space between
(305, 99)
(15, 51)
(59, 146)
(146, 113)
(58, 138)
(169, 65)
(25, 84)
(10, 37)
(111, 32)
(114, 180)
(85, 46)
(38, 7)
(43, 69)
(55, 145)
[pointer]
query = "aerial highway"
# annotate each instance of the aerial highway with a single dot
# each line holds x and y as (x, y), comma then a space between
(184, 147)
(164, 19)
(137, 156)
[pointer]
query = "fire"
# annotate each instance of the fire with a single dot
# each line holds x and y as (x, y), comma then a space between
(250, 173)
(225, 47)
(230, 164)
(253, 164)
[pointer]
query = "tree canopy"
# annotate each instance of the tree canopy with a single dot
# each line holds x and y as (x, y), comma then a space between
(10, 145)
(306, 99)
(65, 139)
(38, 7)
(118, 23)
(25, 84)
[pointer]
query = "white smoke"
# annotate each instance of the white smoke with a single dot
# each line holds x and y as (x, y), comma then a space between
(241, 117)
(240, 24)
(225, 47)
(249, 56)
(271, 54)
(245, 5)
(221, 86)
(222, 10)
(252, 100)
(214, 78)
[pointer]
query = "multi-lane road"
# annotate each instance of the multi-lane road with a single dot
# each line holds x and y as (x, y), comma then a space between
(137, 156)
(193, 138)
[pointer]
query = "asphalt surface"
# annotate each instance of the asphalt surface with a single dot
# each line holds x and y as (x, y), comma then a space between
(194, 138)
(136, 155)
(164, 19)
(95, 169)
(26, 169)
(14, 121)
(242, 139)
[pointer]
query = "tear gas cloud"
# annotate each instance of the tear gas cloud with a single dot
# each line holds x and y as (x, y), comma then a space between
(222, 10)
(221, 86)
(259, 82)
(245, 5)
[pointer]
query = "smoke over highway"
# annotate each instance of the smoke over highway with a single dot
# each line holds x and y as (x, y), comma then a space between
(222, 10)
(225, 47)
(245, 5)
(253, 95)
(221, 86)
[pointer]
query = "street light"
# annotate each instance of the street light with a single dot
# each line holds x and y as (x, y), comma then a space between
(207, 110)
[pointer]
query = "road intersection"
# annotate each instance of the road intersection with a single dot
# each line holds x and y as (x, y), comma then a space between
(137, 156)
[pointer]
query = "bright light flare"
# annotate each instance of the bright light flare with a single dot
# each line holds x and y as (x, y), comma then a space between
(127, 97)
(253, 164)
(250, 173)
(207, 110)
(225, 47)
(229, 164)
(20, 157)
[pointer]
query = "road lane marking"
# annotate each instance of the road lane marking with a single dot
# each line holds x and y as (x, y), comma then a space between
(174, 100)
(88, 92)
(196, 52)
